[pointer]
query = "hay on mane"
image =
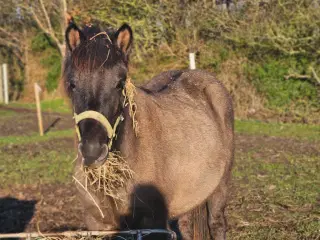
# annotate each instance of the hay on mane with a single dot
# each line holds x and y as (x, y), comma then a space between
(129, 92)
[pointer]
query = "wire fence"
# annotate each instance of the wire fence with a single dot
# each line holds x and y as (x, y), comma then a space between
(139, 234)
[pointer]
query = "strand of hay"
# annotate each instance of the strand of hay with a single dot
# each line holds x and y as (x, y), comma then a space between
(92, 198)
(129, 92)
(101, 33)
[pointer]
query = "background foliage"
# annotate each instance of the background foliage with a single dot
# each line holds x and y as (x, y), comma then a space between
(265, 52)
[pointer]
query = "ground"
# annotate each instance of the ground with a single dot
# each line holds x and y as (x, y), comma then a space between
(274, 188)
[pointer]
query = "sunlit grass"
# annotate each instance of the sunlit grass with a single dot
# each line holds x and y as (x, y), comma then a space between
(36, 137)
(290, 130)
(275, 199)
(56, 105)
(45, 167)
(7, 113)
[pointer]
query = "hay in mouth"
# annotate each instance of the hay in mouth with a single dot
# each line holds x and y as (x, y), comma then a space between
(109, 177)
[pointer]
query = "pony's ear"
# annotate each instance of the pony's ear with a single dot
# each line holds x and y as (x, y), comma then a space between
(73, 35)
(68, 18)
(123, 38)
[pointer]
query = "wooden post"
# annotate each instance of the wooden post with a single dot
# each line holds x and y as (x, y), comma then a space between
(5, 82)
(37, 91)
(192, 60)
(1, 86)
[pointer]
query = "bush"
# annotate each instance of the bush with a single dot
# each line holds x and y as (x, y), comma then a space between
(53, 63)
(40, 43)
(272, 80)
(51, 59)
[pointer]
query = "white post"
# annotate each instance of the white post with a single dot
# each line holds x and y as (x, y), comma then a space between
(192, 59)
(224, 7)
(5, 82)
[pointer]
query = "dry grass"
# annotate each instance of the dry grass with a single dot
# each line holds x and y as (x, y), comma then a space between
(247, 102)
(109, 177)
(129, 92)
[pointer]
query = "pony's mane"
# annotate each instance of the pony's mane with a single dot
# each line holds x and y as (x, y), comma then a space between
(97, 51)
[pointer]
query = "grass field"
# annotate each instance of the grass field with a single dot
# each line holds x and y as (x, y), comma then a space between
(274, 192)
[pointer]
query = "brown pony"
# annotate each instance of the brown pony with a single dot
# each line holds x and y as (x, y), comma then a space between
(183, 147)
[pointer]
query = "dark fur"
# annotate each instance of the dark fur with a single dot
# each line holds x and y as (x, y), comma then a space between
(184, 148)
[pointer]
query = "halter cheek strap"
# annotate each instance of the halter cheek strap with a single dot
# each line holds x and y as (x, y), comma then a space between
(111, 131)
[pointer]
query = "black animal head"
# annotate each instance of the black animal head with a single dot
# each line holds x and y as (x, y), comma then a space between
(95, 71)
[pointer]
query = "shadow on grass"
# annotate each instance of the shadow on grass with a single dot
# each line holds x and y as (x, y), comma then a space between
(15, 214)
(54, 123)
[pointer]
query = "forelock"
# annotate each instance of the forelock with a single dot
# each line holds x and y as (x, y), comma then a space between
(97, 52)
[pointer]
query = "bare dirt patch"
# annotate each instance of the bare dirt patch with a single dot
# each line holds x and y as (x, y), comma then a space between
(52, 207)
(267, 146)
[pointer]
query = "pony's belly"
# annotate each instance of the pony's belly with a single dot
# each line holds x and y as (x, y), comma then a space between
(187, 198)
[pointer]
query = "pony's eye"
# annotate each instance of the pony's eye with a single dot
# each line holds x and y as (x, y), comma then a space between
(120, 84)
(72, 86)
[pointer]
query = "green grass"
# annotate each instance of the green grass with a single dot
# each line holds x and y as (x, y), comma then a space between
(44, 167)
(275, 200)
(7, 113)
(36, 137)
(57, 105)
(290, 130)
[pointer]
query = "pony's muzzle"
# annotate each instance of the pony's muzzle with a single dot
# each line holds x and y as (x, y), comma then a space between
(93, 154)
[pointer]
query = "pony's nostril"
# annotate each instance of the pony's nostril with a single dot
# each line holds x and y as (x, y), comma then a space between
(91, 150)
(93, 153)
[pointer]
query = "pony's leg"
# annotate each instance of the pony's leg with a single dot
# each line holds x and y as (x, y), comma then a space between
(216, 205)
(186, 226)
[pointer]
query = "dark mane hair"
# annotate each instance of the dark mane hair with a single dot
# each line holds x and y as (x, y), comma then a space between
(97, 51)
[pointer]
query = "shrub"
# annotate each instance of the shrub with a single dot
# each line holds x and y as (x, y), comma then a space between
(273, 80)
(50, 59)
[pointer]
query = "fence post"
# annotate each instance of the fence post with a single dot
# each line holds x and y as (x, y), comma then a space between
(1, 86)
(37, 91)
(192, 60)
(5, 82)
(224, 6)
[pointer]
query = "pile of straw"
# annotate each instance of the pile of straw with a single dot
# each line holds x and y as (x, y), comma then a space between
(109, 177)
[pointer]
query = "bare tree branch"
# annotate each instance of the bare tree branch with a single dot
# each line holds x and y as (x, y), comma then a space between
(47, 30)
(46, 17)
(11, 36)
(9, 43)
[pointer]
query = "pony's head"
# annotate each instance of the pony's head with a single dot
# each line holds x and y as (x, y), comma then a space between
(95, 71)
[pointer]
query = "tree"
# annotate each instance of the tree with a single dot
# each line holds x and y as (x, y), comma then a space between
(50, 18)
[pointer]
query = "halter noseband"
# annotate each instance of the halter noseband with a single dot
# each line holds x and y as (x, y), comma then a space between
(111, 131)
